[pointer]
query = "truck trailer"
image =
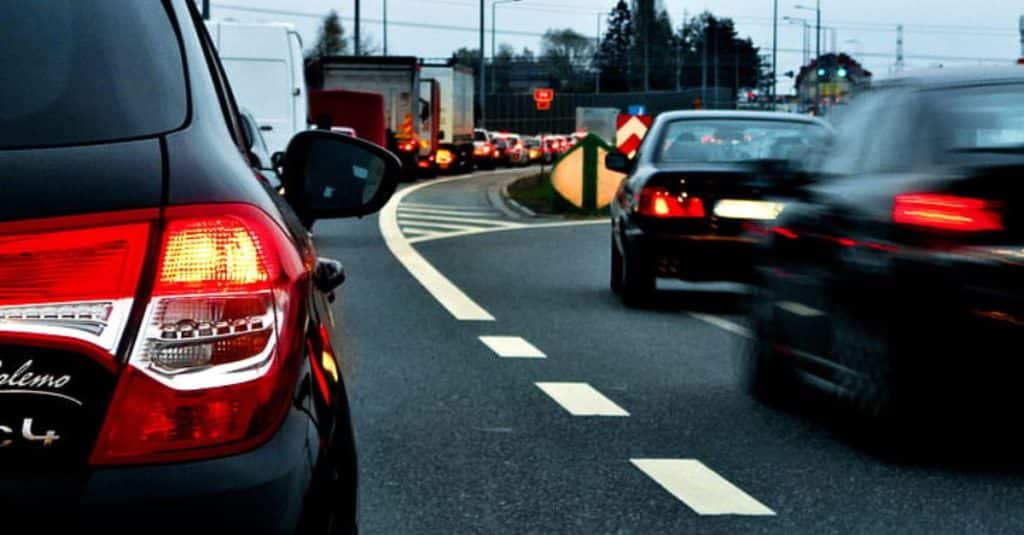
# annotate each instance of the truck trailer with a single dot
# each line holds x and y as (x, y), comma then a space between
(455, 119)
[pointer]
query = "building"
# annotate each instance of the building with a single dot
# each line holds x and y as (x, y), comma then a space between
(830, 79)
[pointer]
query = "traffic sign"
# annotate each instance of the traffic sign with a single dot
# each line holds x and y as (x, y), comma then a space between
(543, 105)
(544, 94)
(630, 132)
(581, 178)
(637, 109)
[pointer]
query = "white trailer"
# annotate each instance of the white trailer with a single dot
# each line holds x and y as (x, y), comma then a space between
(455, 121)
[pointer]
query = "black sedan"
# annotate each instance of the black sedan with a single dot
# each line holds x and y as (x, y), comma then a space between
(895, 277)
(166, 362)
(695, 190)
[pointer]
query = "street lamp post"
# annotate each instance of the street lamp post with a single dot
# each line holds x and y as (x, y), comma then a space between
(206, 9)
(385, 19)
(358, 45)
(817, 27)
(775, 50)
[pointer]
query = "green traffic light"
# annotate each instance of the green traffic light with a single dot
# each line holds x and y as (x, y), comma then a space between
(822, 72)
(841, 72)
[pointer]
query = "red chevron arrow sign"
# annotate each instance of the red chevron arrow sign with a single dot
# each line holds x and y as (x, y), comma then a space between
(630, 132)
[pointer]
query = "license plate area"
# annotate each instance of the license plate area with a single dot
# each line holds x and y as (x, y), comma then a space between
(52, 403)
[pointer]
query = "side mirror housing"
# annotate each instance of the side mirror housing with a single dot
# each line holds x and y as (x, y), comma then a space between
(618, 162)
(327, 175)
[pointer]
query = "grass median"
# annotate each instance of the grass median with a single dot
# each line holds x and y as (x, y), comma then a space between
(536, 193)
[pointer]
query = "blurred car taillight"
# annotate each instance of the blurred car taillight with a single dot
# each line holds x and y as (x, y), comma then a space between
(947, 212)
(659, 202)
(212, 369)
(407, 146)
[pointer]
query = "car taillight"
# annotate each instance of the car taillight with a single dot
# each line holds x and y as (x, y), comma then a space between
(444, 157)
(213, 366)
(947, 212)
(407, 146)
(659, 202)
(72, 279)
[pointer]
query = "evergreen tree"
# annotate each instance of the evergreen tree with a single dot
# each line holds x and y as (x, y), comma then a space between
(614, 53)
(704, 37)
(330, 40)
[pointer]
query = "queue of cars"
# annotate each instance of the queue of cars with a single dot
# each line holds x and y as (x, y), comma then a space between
(505, 149)
(886, 261)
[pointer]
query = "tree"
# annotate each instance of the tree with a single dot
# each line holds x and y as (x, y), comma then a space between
(566, 53)
(331, 39)
(613, 54)
(708, 41)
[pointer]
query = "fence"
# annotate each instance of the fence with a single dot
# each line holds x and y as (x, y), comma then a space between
(516, 112)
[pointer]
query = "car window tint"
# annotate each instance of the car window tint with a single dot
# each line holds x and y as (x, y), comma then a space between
(86, 71)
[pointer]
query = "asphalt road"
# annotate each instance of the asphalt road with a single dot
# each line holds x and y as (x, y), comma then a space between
(455, 439)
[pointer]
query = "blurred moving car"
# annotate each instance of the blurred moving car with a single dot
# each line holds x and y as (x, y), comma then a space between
(164, 318)
(696, 186)
(895, 276)
(484, 154)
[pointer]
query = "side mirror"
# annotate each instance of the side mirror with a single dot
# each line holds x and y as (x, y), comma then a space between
(329, 175)
(618, 162)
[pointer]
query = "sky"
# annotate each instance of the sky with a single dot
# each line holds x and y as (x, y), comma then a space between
(936, 32)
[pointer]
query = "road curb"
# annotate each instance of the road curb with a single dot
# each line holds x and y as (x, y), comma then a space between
(500, 199)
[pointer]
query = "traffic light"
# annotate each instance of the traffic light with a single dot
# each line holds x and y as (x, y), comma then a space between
(822, 71)
(841, 72)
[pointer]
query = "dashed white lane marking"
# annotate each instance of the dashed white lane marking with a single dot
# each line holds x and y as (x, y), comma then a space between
(724, 324)
(447, 294)
(512, 347)
(700, 488)
(799, 309)
(581, 399)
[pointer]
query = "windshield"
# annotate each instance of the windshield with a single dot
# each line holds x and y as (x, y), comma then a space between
(981, 118)
(479, 135)
(733, 140)
(85, 71)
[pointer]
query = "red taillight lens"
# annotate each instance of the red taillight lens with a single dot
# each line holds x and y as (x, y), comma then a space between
(660, 203)
(72, 278)
(407, 146)
(215, 360)
(947, 212)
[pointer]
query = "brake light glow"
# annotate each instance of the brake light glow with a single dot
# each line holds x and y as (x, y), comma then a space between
(407, 146)
(444, 157)
(217, 354)
(659, 202)
(947, 212)
(72, 279)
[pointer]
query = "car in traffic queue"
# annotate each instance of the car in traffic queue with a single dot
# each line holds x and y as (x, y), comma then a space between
(695, 187)
(511, 152)
(166, 355)
(534, 149)
(894, 278)
(484, 154)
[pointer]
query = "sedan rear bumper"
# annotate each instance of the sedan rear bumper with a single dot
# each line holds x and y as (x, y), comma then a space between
(697, 257)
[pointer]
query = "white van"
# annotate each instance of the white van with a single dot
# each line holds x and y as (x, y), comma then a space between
(265, 68)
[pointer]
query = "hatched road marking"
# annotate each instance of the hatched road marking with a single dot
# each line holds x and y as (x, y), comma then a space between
(512, 347)
(700, 488)
(581, 399)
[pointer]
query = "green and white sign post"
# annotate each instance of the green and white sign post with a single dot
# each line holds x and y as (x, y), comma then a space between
(581, 178)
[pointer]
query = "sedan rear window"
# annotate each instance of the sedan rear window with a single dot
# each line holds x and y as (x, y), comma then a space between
(982, 119)
(732, 140)
(87, 71)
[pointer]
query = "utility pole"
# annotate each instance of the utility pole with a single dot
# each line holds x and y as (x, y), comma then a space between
(704, 66)
(206, 9)
(775, 49)
(385, 27)
(483, 66)
(715, 44)
(818, 10)
(358, 43)
(899, 48)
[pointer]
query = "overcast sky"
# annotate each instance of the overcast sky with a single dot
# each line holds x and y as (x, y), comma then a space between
(936, 31)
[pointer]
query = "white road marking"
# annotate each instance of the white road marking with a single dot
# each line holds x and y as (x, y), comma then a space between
(799, 309)
(443, 207)
(512, 347)
(724, 324)
(516, 226)
(405, 209)
(581, 399)
(700, 488)
(447, 294)
(405, 222)
(469, 220)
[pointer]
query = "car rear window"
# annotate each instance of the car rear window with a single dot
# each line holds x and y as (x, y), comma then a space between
(736, 140)
(87, 71)
(982, 117)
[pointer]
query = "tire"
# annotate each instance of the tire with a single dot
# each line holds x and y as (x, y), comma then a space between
(638, 279)
(616, 269)
(770, 378)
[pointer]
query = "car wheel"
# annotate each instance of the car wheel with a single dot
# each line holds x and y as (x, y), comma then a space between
(638, 280)
(616, 269)
(769, 377)
(865, 350)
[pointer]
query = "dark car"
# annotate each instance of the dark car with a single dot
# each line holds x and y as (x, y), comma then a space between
(695, 187)
(895, 276)
(165, 339)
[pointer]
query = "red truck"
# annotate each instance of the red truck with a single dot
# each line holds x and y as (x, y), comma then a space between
(360, 111)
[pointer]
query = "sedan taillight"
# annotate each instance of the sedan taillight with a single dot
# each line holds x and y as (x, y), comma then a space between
(947, 212)
(660, 203)
(213, 366)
